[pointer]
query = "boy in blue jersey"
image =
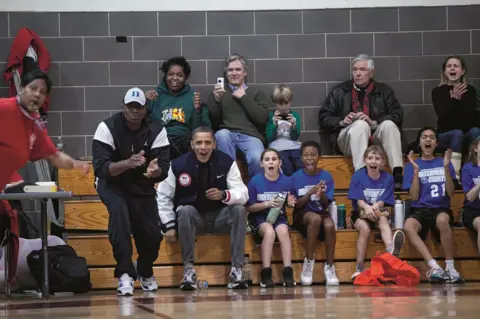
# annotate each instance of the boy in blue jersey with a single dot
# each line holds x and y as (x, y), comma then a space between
(314, 187)
(471, 187)
(263, 191)
(430, 181)
(371, 192)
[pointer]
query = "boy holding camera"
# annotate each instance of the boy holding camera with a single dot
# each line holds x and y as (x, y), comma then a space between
(283, 130)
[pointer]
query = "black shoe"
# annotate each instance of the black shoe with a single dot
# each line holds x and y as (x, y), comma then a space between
(458, 185)
(288, 280)
(266, 279)
(398, 178)
(257, 239)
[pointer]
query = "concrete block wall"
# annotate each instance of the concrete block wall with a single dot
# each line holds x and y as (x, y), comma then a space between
(309, 49)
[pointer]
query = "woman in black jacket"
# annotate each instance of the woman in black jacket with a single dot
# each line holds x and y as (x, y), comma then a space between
(456, 105)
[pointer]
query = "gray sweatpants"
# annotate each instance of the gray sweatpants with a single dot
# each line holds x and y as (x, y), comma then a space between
(190, 223)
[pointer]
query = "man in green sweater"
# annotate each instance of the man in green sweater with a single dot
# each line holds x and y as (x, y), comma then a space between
(240, 115)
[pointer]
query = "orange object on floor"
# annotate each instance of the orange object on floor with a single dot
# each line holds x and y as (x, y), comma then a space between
(388, 270)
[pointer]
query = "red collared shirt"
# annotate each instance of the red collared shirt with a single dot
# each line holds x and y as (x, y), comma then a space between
(22, 139)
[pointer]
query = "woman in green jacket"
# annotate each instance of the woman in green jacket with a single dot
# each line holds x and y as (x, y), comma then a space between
(177, 106)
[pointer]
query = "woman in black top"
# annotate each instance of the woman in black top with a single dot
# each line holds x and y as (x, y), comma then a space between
(456, 105)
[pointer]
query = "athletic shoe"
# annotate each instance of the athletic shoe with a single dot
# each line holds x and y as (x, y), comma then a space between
(189, 281)
(148, 284)
(355, 274)
(288, 280)
(330, 275)
(452, 276)
(398, 242)
(257, 239)
(436, 275)
(266, 279)
(306, 277)
(125, 285)
(235, 280)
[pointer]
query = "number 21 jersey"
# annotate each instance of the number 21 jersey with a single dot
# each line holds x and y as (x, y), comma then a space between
(432, 183)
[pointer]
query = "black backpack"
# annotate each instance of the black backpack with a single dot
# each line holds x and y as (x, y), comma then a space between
(66, 271)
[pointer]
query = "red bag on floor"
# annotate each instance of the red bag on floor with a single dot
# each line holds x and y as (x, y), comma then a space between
(388, 270)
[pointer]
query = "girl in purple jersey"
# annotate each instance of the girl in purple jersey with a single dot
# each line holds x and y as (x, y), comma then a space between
(263, 190)
(471, 187)
(314, 187)
(429, 180)
(371, 192)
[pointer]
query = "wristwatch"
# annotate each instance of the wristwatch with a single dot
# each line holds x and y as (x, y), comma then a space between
(224, 195)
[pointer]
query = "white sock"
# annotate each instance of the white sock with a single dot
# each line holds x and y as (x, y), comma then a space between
(389, 248)
(449, 264)
(433, 264)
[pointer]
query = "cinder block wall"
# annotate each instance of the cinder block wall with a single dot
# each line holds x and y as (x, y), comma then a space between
(310, 50)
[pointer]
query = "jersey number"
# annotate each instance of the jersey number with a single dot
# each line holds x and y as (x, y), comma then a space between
(434, 190)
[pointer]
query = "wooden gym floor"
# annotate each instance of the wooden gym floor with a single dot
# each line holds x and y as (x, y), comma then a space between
(345, 301)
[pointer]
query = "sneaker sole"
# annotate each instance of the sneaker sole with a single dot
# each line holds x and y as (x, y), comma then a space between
(437, 280)
(398, 242)
(332, 284)
(146, 289)
(458, 281)
(124, 294)
(306, 283)
(188, 287)
(242, 285)
(289, 284)
(266, 286)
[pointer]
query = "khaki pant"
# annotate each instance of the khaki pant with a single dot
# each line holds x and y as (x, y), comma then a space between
(353, 140)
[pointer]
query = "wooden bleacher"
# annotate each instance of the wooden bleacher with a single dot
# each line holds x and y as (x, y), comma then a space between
(86, 222)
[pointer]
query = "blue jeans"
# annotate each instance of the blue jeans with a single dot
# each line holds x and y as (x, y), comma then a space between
(228, 142)
(454, 139)
(291, 161)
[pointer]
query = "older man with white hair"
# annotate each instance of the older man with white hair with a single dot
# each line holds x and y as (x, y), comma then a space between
(361, 111)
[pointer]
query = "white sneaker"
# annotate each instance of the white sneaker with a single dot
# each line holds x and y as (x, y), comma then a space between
(330, 275)
(452, 276)
(436, 275)
(125, 285)
(355, 274)
(148, 284)
(306, 277)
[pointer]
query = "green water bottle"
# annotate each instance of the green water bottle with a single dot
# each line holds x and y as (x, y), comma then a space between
(273, 213)
(341, 213)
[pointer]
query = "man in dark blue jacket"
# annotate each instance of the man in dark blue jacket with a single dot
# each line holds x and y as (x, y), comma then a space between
(131, 154)
(204, 190)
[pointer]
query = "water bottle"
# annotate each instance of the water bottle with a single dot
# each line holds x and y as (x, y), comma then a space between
(333, 212)
(341, 216)
(202, 284)
(275, 211)
(399, 213)
(247, 270)
(60, 144)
